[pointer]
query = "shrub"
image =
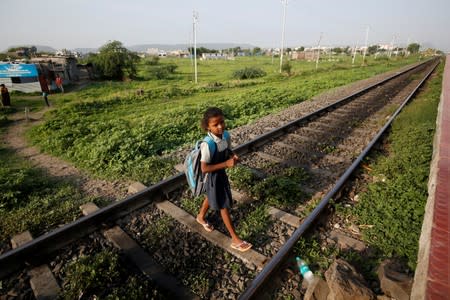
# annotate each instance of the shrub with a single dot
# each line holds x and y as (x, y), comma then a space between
(249, 73)
(153, 61)
(162, 71)
(286, 67)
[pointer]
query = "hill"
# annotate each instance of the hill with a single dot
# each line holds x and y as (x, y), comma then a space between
(169, 47)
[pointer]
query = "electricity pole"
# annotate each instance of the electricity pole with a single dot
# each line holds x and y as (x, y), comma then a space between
(365, 49)
(284, 2)
(194, 28)
(354, 53)
(392, 46)
(318, 50)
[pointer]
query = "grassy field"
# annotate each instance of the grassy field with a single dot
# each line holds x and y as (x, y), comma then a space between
(109, 130)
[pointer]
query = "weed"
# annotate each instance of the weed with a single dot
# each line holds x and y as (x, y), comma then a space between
(198, 283)
(90, 273)
(157, 231)
(241, 177)
(317, 257)
(192, 205)
(254, 224)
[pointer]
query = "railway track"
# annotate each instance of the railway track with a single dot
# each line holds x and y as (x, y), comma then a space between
(324, 146)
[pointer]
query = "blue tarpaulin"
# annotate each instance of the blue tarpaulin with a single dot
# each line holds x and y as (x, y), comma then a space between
(18, 70)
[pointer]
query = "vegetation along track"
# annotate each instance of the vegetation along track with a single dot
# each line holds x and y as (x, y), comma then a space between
(289, 168)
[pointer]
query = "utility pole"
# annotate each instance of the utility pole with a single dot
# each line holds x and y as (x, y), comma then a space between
(318, 50)
(354, 53)
(406, 48)
(365, 49)
(392, 46)
(284, 2)
(194, 28)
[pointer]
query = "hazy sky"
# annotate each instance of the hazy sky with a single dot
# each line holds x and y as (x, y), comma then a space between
(92, 23)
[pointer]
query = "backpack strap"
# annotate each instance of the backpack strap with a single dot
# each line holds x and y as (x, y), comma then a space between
(211, 145)
(227, 137)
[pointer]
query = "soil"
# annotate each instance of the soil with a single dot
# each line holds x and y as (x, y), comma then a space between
(55, 167)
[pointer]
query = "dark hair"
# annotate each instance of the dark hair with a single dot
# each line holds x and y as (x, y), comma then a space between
(211, 112)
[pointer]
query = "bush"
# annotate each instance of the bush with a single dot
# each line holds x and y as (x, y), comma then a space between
(249, 73)
(162, 71)
(153, 61)
(286, 67)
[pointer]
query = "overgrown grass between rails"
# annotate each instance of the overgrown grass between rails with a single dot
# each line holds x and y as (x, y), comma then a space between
(395, 206)
(112, 131)
(104, 276)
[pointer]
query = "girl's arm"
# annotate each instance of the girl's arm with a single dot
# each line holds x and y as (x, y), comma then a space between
(207, 168)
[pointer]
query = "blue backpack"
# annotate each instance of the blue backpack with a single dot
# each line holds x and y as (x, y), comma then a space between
(192, 165)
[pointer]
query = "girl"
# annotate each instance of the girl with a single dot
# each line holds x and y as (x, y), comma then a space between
(6, 100)
(218, 191)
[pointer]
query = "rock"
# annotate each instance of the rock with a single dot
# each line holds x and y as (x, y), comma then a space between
(317, 290)
(393, 282)
(346, 283)
(345, 242)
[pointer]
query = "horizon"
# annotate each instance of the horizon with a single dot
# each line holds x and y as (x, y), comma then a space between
(258, 23)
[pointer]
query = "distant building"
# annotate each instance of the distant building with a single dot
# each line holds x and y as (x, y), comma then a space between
(20, 77)
(156, 52)
(64, 66)
(307, 54)
(24, 77)
(214, 56)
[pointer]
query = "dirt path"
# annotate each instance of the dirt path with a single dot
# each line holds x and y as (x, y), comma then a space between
(55, 167)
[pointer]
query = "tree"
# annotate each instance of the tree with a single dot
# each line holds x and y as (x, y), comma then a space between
(413, 48)
(257, 51)
(337, 50)
(373, 49)
(114, 61)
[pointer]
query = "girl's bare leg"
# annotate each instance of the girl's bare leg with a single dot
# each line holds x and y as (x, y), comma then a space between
(225, 214)
(203, 210)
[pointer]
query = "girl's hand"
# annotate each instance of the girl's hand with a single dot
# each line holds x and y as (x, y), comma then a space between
(231, 162)
(235, 157)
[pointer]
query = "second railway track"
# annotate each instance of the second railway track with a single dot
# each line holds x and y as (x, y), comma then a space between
(323, 145)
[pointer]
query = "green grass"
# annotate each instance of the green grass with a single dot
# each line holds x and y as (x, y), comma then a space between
(30, 200)
(103, 276)
(113, 133)
(395, 206)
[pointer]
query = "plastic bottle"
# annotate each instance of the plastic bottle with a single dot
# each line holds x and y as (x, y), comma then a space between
(304, 270)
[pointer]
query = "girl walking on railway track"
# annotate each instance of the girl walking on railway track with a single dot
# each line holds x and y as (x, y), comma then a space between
(218, 191)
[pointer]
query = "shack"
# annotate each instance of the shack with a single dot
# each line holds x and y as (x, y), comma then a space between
(20, 77)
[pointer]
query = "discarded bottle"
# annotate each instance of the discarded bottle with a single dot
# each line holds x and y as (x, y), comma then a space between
(304, 270)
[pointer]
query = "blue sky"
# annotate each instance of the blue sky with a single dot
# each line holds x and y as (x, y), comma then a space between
(92, 23)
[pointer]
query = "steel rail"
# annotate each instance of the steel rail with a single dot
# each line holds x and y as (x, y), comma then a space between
(264, 138)
(38, 250)
(286, 249)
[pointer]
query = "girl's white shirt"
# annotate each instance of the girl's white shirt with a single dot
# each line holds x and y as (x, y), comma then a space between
(222, 144)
